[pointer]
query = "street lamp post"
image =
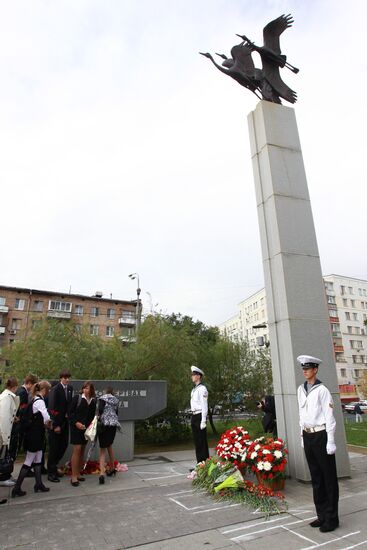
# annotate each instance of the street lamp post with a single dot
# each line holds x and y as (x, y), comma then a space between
(133, 276)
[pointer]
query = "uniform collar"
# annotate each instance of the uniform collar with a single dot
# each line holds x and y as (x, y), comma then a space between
(317, 383)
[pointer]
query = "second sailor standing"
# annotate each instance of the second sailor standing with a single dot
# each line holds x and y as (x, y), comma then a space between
(199, 409)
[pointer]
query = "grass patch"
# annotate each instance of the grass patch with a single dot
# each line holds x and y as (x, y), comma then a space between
(356, 434)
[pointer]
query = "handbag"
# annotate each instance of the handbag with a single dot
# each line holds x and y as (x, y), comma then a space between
(91, 432)
(6, 461)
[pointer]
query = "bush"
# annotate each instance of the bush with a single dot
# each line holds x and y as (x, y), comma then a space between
(162, 430)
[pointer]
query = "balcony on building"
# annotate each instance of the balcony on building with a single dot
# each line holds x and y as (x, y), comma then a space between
(4, 309)
(127, 338)
(59, 309)
(2, 330)
(127, 318)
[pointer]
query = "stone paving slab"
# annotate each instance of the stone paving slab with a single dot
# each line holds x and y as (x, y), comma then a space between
(154, 506)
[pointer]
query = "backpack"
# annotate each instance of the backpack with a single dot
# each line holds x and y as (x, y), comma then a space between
(28, 416)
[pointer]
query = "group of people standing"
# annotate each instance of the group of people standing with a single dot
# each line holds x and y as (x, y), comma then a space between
(28, 412)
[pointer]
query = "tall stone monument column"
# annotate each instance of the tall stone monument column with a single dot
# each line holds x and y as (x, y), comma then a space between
(297, 309)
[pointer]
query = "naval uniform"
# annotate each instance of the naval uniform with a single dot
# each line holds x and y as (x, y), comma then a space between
(199, 408)
(317, 431)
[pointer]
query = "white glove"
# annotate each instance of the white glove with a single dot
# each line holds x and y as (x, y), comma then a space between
(330, 448)
(202, 425)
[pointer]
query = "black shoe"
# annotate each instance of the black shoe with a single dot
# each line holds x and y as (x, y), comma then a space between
(111, 472)
(326, 527)
(3, 501)
(18, 492)
(74, 483)
(316, 523)
(80, 478)
(101, 480)
(53, 478)
(41, 488)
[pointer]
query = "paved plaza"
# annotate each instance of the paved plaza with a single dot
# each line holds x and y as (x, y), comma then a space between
(153, 506)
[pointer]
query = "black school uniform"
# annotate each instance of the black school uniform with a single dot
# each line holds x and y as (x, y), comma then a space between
(80, 411)
(34, 435)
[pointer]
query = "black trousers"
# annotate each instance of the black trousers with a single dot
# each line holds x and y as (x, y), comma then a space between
(323, 476)
(57, 445)
(200, 438)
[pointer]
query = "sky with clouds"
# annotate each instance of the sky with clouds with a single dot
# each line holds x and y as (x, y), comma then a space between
(122, 150)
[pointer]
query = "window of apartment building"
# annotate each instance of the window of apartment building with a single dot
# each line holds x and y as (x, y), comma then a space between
(331, 299)
(333, 313)
(110, 331)
(343, 373)
(349, 329)
(2, 301)
(19, 304)
(37, 305)
(36, 323)
(56, 305)
(347, 315)
(356, 373)
(93, 329)
(262, 301)
(335, 328)
(329, 286)
(339, 357)
(16, 324)
(360, 292)
(352, 303)
(364, 291)
(364, 317)
(1, 319)
(356, 344)
(342, 290)
(350, 290)
(94, 311)
(255, 305)
(127, 331)
(111, 312)
(345, 302)
(78, 327)
(355, 316)
(357, 330)
(78, 309)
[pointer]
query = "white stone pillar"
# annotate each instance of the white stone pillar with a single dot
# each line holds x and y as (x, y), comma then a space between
(297, 309)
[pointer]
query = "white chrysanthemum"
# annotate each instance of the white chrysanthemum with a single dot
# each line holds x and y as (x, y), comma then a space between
(266, 452)
(260, 465)
(278, 454)
(257, 447)
(243, 458)
(267, 466)
(253, 455)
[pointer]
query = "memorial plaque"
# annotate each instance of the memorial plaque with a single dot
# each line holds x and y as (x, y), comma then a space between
(138, 399)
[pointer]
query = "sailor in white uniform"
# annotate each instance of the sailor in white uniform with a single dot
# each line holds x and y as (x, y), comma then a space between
(199, 410)
(318, 424)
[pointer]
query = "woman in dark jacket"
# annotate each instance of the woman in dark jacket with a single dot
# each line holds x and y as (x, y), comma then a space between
(81, 414)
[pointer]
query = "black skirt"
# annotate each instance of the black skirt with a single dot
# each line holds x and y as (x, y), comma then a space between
(77, 436)
(34, 436)
(107, 436)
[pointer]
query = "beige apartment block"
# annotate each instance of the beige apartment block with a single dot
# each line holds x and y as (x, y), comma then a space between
(21, 309)
(347, 303)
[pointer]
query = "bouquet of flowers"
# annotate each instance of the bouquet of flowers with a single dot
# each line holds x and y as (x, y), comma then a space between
(267, 457)
(233, 446)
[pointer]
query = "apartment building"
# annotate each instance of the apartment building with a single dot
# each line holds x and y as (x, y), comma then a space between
(21, 309)
(347, 303)
(250, 323)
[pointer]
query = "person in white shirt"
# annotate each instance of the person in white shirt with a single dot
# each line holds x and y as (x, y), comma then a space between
(318, 425)
(35, 419)
(199, 409)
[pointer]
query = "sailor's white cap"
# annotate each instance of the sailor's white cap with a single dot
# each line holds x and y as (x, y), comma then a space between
(196, 370)
(307, 361)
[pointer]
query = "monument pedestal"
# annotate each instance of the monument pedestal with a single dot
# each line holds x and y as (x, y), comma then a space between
(297, 309)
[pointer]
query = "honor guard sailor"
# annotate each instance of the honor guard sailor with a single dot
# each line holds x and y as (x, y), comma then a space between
(199, 410)
(318, 424)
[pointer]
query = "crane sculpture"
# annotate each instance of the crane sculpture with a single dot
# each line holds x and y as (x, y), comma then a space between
(265, 81)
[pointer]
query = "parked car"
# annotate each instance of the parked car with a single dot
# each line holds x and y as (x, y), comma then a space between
(350, 406)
